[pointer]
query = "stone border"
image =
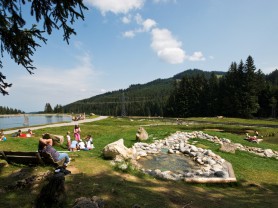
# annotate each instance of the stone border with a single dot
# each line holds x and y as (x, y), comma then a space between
(237, 146)
(230, 179)
(211, 167)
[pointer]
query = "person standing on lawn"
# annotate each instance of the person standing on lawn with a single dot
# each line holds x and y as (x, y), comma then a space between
(76, 132)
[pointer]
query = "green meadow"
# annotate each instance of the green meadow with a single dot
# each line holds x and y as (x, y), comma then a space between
(92, 175)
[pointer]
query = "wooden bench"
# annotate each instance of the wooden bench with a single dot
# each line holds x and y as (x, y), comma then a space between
(29, 158)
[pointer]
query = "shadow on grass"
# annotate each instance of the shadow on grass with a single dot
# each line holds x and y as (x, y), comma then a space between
(122, 190)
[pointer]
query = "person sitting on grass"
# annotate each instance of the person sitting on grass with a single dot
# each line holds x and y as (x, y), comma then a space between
(29, 133)
(74, 146)
(45, 146)
(89, 142)
(82, 145)
(2, 135)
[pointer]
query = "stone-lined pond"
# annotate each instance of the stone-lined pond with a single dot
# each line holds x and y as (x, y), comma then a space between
(164, 161)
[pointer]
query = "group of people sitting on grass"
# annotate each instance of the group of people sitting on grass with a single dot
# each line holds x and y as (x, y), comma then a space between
(46, 145)
(79, 144)
(19, 133)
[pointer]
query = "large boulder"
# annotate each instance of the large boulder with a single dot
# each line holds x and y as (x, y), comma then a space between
(57, 139)
(117, 148)
(141, 134)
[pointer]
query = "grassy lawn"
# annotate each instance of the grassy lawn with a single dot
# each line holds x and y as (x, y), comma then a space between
(257, 184)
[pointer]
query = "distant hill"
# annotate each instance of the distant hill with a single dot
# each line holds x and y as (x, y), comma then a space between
(194, 72)
(137, 99)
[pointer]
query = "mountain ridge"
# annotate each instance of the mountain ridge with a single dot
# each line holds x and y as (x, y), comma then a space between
(154, 94)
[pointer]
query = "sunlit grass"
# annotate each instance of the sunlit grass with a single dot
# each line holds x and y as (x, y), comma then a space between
(257, 176)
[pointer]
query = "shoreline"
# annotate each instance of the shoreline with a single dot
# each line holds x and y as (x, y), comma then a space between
(72, 123)
(35, 114)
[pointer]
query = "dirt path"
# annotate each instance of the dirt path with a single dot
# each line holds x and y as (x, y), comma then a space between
(58, 124)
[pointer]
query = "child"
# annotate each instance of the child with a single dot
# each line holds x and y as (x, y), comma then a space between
(68, 140)
(89, 142)
(82, 145)
(2, 136)
(74, 146)
(76, 132)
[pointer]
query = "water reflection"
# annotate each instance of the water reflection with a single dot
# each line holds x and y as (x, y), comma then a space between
(49, 119)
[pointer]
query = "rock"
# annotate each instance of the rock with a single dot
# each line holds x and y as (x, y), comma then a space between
(123, 166)
(210, 161)
(57, 139)
(193, 149)
(268, 153)
(83, 202)
(170, 151)
(111, 150)
(228, 147)
(142, 153)
(141, 134)
(200, 161)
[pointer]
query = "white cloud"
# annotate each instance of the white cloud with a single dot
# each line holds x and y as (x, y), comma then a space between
(116, 6)
(164, 1)
(138, 18)
(126, 19)
(56, 85)
(164, 44)
(167, 47)
(74, 79)
(129, 34)
(197, 56)
(148, 24)
(172, 55)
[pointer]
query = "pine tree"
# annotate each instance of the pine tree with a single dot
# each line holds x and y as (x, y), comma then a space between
(212, 96)
(48, 108)
(250, 103)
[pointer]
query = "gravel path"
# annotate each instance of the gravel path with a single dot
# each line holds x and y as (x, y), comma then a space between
(72, 123)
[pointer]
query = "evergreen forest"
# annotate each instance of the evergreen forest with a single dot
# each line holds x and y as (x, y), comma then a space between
(242, 91)
(7, 110)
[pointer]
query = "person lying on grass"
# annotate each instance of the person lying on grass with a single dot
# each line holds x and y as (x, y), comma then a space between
(252, 138)
(45, 145)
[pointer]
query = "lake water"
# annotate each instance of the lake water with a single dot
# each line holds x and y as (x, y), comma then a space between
(7, 122)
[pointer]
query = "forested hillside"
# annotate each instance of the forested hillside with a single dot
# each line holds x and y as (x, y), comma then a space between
(148, 99)
(243, 91)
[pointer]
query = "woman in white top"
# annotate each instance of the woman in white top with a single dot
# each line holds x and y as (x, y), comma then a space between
(89, 142)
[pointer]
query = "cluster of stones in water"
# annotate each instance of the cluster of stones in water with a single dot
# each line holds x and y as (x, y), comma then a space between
(209, 164)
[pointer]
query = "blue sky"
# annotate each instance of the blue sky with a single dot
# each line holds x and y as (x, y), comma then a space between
(124, 42)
